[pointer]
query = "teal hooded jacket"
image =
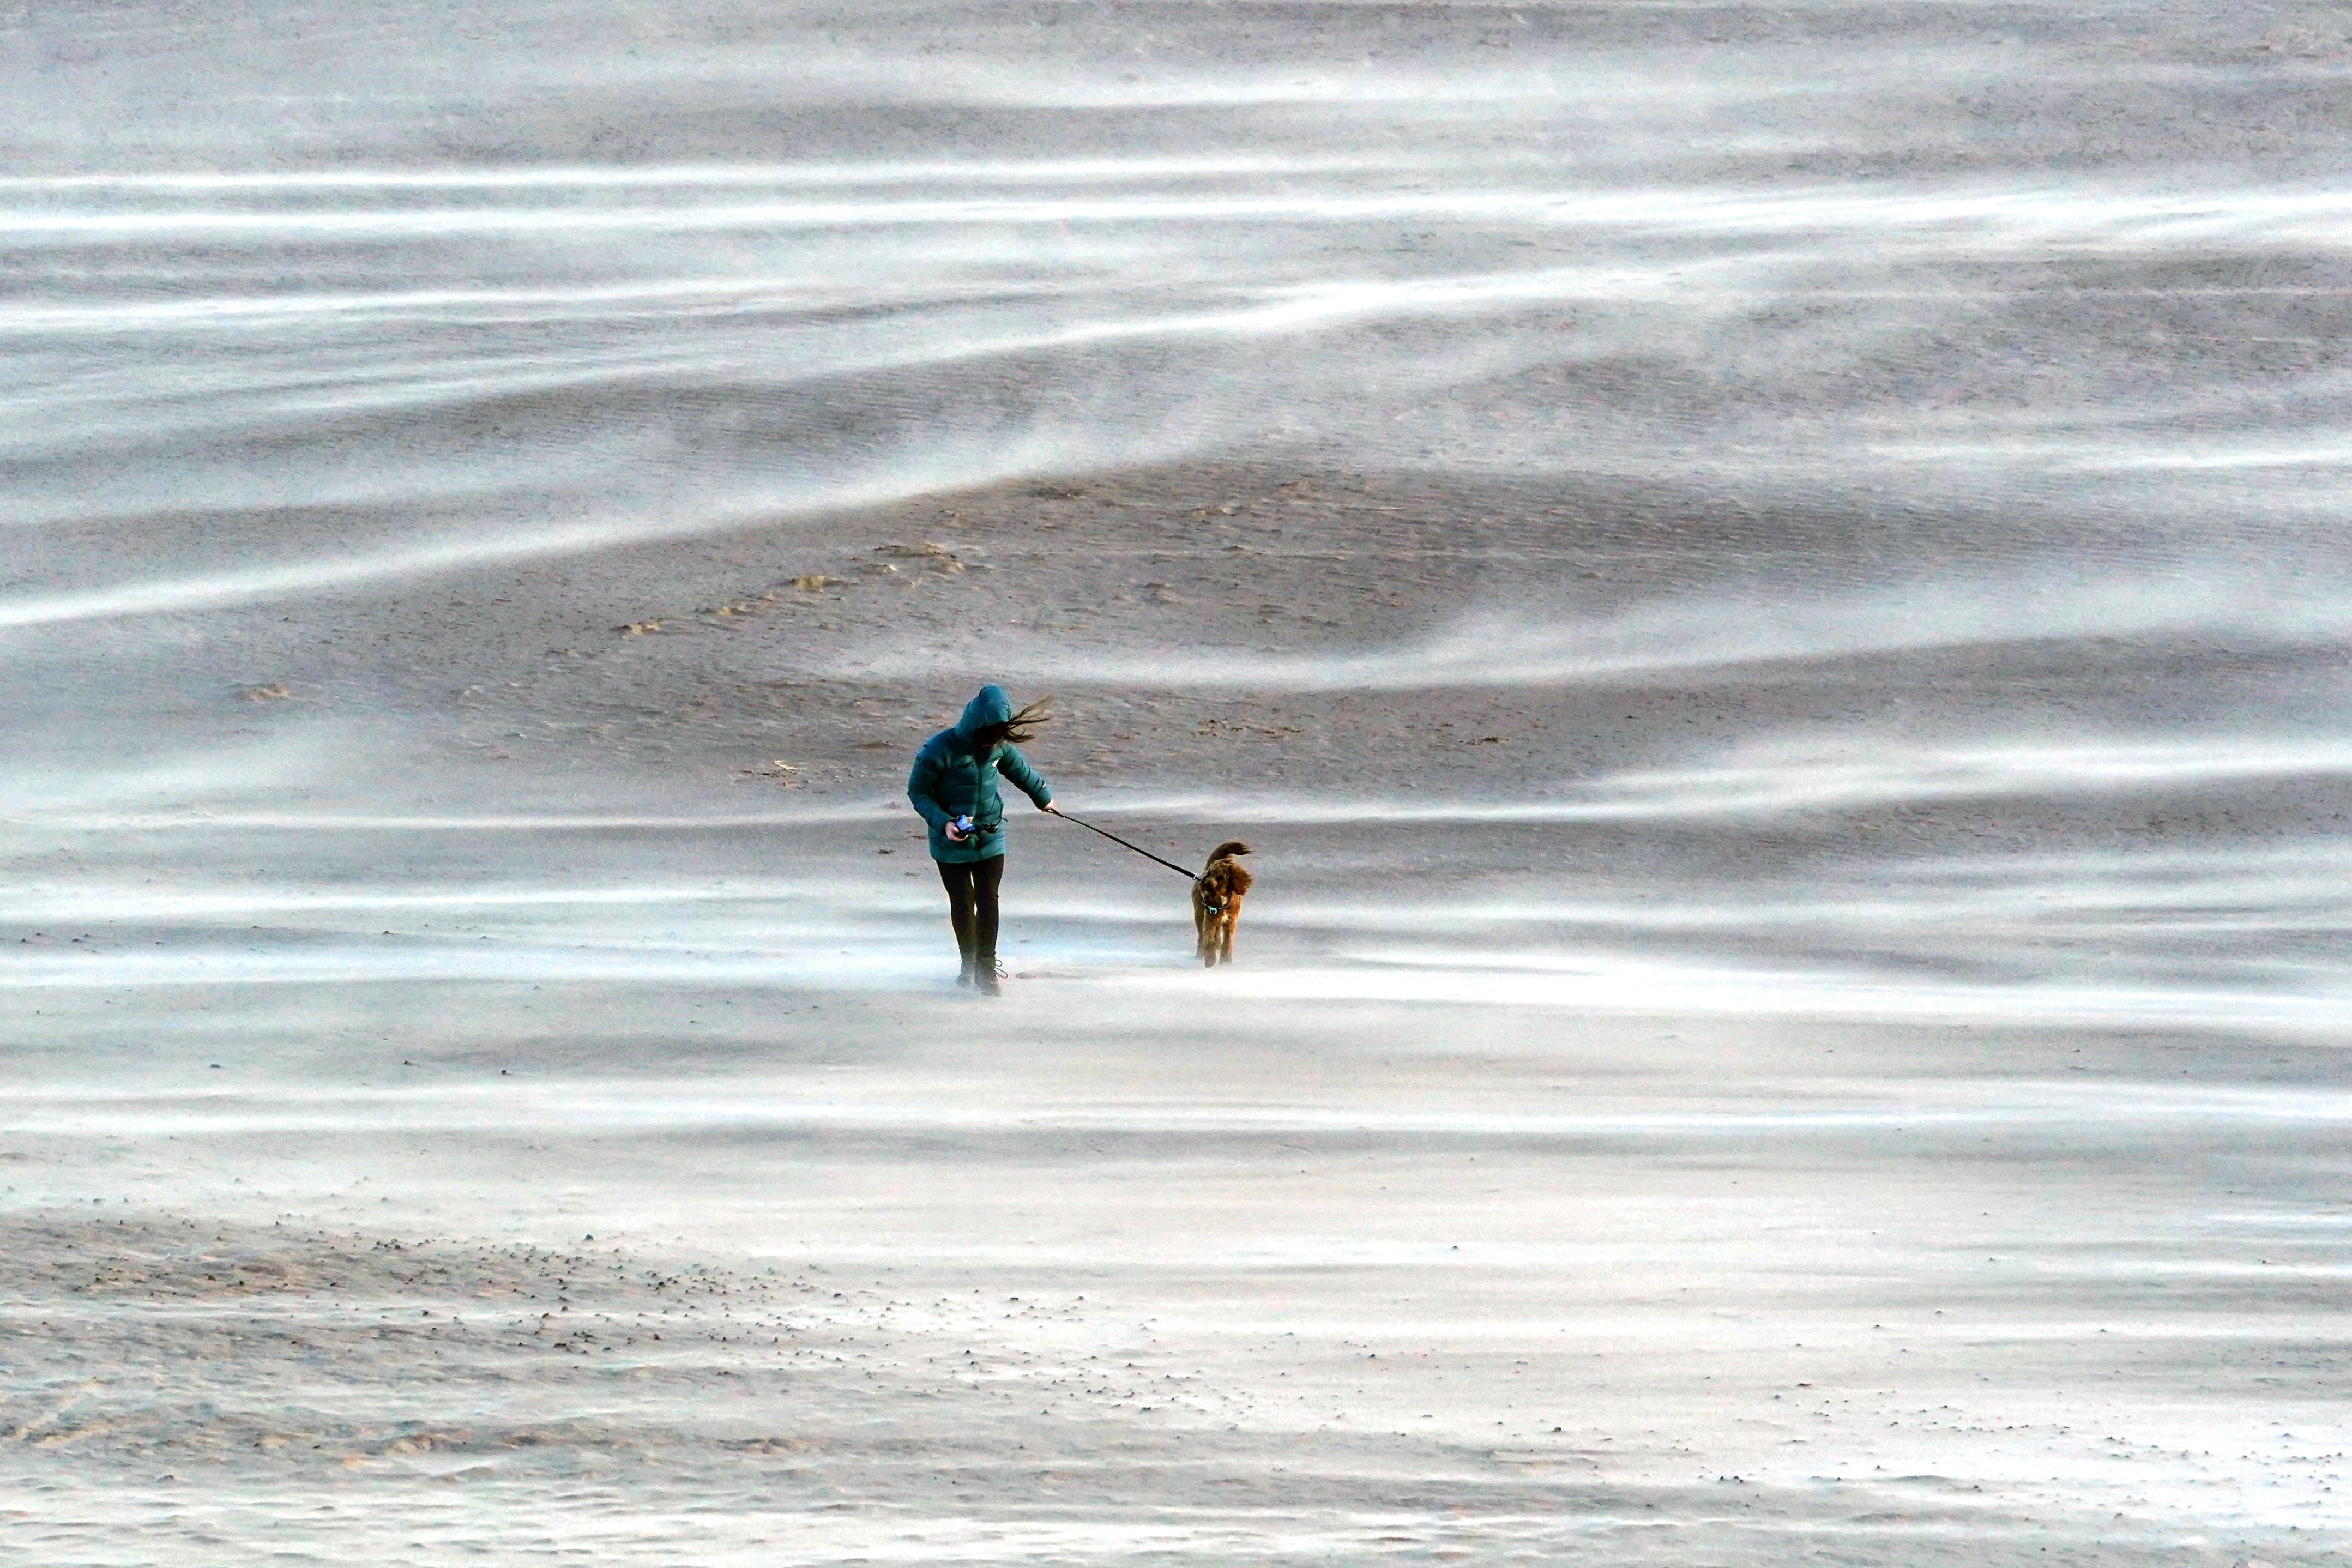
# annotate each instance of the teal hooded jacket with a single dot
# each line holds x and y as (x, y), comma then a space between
(955, 776)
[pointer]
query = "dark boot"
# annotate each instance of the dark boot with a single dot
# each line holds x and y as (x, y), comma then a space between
(984, 976)
(967, 975)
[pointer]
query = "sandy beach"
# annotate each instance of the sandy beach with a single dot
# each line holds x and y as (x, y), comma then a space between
(570, 1141)
(1764, 586)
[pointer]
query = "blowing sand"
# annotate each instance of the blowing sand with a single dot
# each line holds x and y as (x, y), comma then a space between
(570, 1141)
(1768, 586)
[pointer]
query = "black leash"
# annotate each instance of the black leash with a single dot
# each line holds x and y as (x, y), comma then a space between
(1115, 839)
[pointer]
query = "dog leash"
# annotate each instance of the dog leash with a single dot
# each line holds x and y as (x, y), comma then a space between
(1115, 839)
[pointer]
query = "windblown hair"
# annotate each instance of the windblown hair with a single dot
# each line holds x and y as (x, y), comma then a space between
(1028, 720)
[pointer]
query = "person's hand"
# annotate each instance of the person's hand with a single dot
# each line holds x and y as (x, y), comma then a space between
(953, 837)
(1049, 805)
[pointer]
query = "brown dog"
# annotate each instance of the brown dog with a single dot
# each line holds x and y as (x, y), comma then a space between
(1217, 901)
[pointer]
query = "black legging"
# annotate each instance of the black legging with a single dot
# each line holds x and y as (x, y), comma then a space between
(972, 909)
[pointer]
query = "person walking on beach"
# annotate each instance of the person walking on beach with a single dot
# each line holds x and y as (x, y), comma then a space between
(953, 786)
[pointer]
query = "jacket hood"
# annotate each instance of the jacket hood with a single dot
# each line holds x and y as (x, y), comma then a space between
(990, 707)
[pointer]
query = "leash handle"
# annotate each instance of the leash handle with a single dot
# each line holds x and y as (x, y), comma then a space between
(1115, 839)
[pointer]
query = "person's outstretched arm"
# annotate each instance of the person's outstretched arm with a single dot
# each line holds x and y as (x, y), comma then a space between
(1014, 766)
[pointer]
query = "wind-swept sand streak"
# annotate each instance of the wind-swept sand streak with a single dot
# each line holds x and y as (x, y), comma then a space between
(586, 1108)
(1833, 774)
(1980, 221)
(656, 177)
(1616, 984)
(1806, 773)
(1710, 632)
(213, 589)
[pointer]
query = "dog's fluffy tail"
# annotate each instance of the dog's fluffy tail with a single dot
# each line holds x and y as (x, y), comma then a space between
(1225, 877)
